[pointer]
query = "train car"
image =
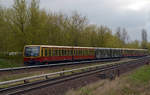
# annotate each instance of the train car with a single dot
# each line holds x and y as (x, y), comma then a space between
(45, 54)
(134, 52)
(83, 53)
(102, 53)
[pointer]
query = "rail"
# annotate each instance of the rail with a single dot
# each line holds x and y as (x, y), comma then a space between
(46, 76)
(50, 65)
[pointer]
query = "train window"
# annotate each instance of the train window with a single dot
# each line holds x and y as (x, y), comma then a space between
(49, 51)
(65, 52)
(41, 51)
(54, 54)
(79, 52)
(59, 52)
(45, 51)
(73, 52)
(76, 52)
(62, 52)
(83, 52)
(88, 52)
(68, 52)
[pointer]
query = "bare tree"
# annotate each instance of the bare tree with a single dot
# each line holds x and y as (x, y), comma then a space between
(122, 34)
(144, 38)
(118, 33)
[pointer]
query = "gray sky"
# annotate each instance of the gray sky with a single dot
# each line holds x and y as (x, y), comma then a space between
(133, 15)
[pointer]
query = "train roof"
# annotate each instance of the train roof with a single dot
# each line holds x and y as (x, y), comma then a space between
(84, 47)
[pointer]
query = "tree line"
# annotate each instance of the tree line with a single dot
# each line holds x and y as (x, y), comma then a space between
(25, 23)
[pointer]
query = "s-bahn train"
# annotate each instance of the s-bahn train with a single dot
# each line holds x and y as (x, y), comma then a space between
(44, 54)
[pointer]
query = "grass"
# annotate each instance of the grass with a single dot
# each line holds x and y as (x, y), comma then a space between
(141, 76)
(8, 62)
(134, 83)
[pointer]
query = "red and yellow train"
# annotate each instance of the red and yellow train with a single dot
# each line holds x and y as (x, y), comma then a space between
(44, 54)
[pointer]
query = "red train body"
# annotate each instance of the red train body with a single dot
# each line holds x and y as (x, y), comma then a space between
(44, 54)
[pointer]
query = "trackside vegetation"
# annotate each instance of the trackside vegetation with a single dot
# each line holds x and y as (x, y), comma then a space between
(134, 83)
(8, 62)
(27, 24)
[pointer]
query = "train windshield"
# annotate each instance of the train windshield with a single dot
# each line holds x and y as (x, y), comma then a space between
(32, 51)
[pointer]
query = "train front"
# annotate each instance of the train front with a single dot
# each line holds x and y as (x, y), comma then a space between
(32, 55)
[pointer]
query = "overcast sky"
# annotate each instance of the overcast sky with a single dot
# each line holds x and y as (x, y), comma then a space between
(134, 15)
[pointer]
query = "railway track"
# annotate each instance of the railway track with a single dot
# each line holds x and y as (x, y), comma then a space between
(27, 84)
(53, 65)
